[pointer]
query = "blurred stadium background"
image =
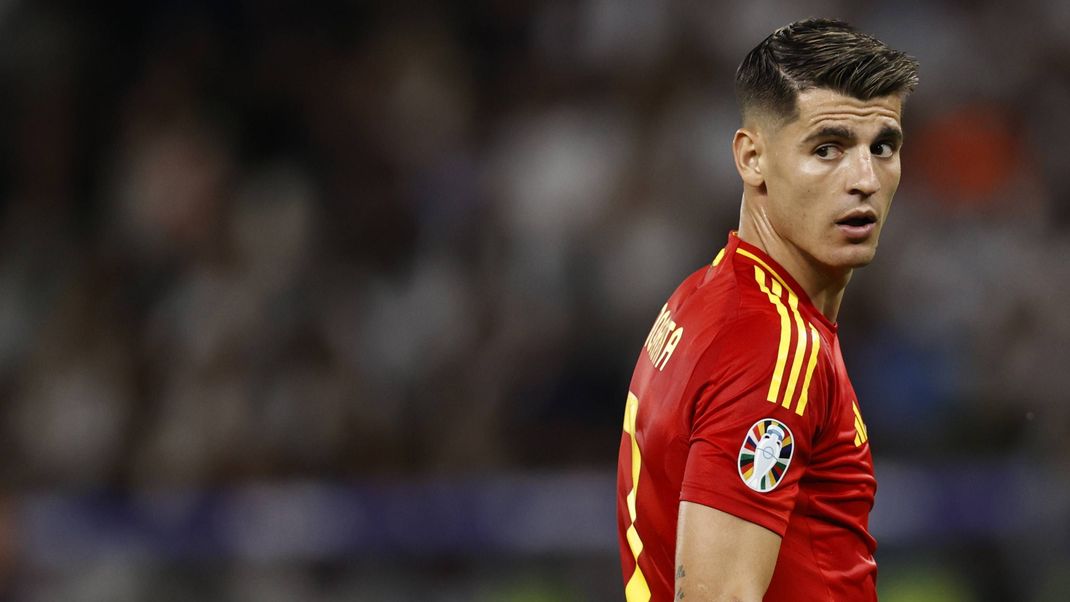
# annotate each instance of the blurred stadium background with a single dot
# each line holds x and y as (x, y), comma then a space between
(339, 301)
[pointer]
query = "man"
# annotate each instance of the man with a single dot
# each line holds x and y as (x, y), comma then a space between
(745, 470)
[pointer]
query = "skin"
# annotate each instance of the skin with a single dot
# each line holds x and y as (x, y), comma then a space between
(722, 558)
(839, 154)
(801, 176)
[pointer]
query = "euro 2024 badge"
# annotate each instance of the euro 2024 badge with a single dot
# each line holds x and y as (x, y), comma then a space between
(765, 455)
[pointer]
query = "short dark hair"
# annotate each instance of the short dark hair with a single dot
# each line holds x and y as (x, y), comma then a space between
(819, 53)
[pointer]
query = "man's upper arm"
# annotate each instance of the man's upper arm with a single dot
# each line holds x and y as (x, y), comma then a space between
(754, 419)
(751, 435)
(722, 557)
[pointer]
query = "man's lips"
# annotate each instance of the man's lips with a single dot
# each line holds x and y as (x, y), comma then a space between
(857, 219)
(858, 225)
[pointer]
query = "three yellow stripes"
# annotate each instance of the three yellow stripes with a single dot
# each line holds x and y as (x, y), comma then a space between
(861, 436)
(785, 333)
(806, 332)
(637, 589)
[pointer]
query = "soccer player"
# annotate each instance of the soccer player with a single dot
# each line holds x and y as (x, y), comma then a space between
(745, 469)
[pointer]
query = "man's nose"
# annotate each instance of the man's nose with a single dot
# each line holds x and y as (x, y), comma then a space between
(864, 179)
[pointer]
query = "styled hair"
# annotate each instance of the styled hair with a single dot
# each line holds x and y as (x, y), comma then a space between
(819, 53)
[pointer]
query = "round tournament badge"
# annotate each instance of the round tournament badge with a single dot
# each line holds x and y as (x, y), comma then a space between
(765, 455)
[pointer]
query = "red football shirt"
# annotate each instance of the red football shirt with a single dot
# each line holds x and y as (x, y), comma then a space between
(740, 401)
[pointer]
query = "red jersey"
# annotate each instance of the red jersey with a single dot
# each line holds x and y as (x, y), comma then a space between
(740, 401)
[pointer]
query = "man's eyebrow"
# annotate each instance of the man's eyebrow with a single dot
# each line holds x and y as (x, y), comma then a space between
(835, 131)
(891, 133)
(831, 131)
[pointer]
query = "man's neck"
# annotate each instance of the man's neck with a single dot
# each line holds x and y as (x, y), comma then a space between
(824, 290)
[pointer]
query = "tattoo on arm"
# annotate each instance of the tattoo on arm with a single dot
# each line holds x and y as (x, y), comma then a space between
(680, 594)
(680, 574)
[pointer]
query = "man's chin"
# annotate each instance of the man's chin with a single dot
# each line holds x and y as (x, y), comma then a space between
(859, 257)
(853, 256)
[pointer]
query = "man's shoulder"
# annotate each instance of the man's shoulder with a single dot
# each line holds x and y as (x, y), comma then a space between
(722, 298)
(766, 335)
(748, 316)
(719, 313)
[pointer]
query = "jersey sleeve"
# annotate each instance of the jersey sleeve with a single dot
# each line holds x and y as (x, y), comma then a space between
(759, 396)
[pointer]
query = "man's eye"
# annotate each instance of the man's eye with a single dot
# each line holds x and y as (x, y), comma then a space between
(826, 151)
(882, 149)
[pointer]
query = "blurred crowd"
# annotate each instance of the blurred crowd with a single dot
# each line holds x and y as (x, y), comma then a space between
(349, 240)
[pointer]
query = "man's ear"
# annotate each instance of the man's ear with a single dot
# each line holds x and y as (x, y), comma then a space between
(747, 149)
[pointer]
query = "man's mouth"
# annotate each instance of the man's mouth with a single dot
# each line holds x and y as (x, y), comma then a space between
(858, 226)
(858, 221)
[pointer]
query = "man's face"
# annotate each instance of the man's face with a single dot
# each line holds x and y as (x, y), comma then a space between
(831, 173)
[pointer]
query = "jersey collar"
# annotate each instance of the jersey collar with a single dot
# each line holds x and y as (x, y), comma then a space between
(737, 248)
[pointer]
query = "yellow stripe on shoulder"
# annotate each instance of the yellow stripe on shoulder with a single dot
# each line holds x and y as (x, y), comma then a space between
(803, 364)
(785, 332)
(800, 349)
(762, 263)
(720, 256)
(815, 347)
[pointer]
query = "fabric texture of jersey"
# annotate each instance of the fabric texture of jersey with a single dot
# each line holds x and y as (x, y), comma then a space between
(740, 401)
